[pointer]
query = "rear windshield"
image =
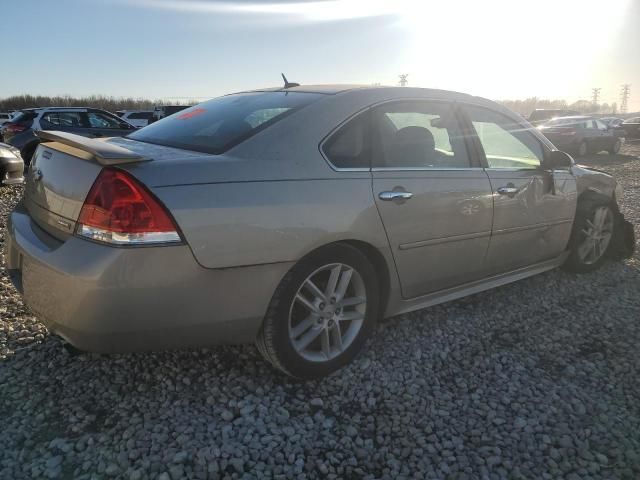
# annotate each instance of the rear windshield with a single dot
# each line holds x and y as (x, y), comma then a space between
(219, 124)
(24, 118)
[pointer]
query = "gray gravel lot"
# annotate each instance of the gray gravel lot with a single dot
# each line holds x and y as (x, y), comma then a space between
(538, 379)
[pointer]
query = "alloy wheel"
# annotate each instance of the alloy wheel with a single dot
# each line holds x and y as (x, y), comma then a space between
(597, 235)
(327, 312)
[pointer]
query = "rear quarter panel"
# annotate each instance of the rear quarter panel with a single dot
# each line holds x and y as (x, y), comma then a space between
(251, 223)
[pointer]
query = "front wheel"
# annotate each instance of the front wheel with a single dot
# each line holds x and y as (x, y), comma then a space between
(321, 313)
(615, 148)
(593, 230)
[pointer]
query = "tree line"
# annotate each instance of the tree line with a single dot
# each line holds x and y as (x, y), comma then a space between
(112, 104)
(19, 102)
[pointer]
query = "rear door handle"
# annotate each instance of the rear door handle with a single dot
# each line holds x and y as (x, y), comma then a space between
(507, 190)
(394, 195)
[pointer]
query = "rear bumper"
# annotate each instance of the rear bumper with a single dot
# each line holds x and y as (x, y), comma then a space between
(107, 299)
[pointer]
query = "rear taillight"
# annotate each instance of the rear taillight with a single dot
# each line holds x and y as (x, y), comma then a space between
(120, 210)
(15, 128)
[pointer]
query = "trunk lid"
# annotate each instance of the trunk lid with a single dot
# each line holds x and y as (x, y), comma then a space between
(62, 173)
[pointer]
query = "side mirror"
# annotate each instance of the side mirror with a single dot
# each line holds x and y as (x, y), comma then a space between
(557, 160)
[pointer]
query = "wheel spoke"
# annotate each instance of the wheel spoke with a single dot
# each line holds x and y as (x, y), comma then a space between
(333, 280)
(307, 338)
(336, 336)
(599, 217)
(584, 249)
(351, 302)
(313, 288)
(310, 306)
(303, 326)
(351, 316)
(345, 278)
(325, 343)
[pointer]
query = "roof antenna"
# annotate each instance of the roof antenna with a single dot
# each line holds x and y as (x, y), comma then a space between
(287, 83)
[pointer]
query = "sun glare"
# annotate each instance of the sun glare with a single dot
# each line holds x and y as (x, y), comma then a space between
(506, 47)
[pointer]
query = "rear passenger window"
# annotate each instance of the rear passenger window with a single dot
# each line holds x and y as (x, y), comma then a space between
(347, 147)
(63, 119)
(418, 135)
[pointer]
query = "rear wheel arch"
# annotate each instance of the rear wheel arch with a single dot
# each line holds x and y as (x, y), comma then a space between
(381, 267)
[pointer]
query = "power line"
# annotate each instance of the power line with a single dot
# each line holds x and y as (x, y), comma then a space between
(403, 79)
(625, 93)
(595, 95)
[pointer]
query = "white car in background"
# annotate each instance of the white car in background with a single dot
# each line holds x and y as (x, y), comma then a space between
(137, 118)
(5, 117)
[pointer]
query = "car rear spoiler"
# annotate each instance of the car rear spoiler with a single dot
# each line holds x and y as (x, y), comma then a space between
(102, 152)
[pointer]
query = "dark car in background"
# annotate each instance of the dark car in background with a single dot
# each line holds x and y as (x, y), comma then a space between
(615, 124)
(631, 127)
(21, 131)
(541, 115)
(581, 135)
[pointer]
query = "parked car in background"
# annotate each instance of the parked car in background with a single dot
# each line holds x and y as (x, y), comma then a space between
(137, 118)
(11, 165)
(297, 218)
(21, 130)
(541, 115)
(163, 111)
(615, 124)
(631, 127)
(581, 135)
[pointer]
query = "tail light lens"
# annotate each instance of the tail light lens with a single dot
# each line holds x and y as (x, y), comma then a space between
(120, 210)
(15, 128)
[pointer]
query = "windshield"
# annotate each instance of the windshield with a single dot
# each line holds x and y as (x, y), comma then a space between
(221, 123)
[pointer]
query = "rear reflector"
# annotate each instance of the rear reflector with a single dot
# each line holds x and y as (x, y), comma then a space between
(120, 210)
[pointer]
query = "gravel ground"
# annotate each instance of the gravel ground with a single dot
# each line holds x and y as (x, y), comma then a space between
(538, 379)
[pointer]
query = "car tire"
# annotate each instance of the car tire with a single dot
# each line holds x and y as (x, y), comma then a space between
(615, 148)
(592, 234)
(312, 329)
(582, 149)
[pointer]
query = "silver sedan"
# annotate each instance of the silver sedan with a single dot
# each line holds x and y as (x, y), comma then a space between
(296, 218)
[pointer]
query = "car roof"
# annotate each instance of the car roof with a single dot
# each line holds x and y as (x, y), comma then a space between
(574, 117)
(338, 89)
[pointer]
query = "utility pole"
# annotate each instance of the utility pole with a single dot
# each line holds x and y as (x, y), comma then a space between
(625, 93)
(595, 96)
(403, 79)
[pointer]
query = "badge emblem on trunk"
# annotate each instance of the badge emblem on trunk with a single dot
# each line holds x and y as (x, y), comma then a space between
(37, 175)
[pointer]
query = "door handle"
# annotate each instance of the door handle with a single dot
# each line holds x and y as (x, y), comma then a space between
(507, 190)
(394, 195)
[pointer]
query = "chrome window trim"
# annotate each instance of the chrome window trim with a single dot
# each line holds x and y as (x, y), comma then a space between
(513, 169)
(425, 169)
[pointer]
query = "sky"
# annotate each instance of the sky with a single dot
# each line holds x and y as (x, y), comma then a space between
(181, 49)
